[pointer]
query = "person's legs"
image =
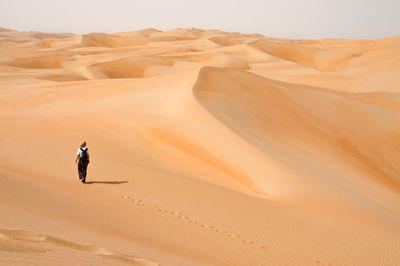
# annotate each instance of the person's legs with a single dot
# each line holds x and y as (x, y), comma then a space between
(81, 170)
(84, 171)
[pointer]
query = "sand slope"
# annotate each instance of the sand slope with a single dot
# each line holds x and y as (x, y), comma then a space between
(208, 148)
(33, 248)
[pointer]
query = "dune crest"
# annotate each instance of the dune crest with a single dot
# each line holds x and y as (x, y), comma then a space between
(268, 113)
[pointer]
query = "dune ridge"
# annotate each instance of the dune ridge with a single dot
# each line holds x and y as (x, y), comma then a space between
(208, 148)
(31, 246)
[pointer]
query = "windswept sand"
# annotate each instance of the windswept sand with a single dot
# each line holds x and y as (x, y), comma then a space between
(207, 148)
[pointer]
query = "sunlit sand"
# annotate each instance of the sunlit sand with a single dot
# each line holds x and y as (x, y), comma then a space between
(207, 148)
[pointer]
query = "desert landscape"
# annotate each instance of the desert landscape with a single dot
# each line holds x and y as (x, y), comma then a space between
(207, 148)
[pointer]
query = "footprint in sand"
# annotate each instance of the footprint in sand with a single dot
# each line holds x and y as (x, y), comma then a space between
(176, 213)
(187, 219)
(233, 236)
(266, 248)
(140, 203)
(206, 226)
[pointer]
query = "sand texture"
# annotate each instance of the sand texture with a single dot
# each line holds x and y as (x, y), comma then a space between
(207, 148)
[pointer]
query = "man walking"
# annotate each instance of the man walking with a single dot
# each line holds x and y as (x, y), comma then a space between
(83, 157)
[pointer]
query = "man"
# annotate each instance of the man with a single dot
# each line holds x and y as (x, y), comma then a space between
(83, 157)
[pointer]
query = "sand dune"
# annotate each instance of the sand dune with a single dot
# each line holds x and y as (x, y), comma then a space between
(35, 248)
(51, 61)
(128, 67)
(9, 35)
(207, 148)
(321, 59)
(225, 41)
(137, 34)
(107, 40)
(264, 111)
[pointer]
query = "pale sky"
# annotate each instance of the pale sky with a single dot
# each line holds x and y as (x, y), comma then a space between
(354, 19)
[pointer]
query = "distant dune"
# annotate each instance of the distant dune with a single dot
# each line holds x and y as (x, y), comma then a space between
(207, 148)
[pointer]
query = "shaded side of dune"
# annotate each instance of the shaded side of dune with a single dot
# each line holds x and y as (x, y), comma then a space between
(294, 121)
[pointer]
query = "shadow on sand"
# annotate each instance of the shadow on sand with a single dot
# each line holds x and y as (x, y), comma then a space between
(107, 182)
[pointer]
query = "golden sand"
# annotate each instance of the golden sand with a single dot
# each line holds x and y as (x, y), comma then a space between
(207, 148)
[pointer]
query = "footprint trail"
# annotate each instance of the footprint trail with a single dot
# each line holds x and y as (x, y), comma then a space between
(211, 228)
